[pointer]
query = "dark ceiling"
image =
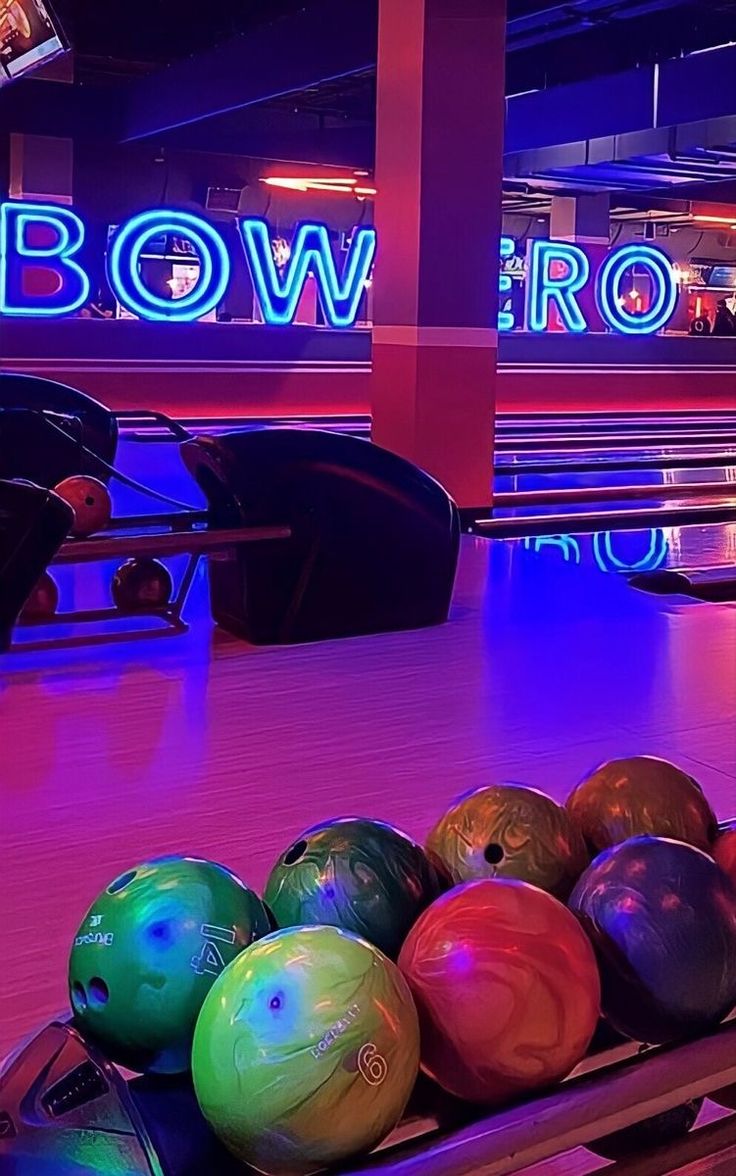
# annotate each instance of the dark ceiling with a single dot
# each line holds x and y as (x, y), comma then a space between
(549, 42)
(613, 37)
(161, 31)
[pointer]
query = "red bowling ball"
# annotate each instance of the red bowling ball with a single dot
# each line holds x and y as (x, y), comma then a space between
(90, 500)
(43, 602)
(637, 795)
(507, 989)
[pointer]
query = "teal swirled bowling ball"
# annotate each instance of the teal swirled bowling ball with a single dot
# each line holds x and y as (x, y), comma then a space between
(361, 875)
(148, 951)
(306, 1050)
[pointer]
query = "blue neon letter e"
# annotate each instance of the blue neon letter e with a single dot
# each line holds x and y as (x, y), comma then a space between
(506, 319)
(18, 254)
(542, 288)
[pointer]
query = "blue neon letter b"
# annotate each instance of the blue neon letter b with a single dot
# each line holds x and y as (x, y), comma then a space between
(59, 236)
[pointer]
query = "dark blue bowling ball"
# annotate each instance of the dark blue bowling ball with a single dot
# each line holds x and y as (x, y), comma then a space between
(662, 918)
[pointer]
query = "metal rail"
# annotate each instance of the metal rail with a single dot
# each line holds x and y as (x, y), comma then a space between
(601, 466)
(581, 1110)
(520, 498)
(614, 442)
(167, 543)
(180, 539)
(584, 522)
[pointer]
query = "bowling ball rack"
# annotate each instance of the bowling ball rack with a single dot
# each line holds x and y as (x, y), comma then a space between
(155, 536)
(607, 1092)
(157, 1125)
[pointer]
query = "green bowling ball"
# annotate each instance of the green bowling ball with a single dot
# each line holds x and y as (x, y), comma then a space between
(306, 1050)
(148, 952)
(361, 875)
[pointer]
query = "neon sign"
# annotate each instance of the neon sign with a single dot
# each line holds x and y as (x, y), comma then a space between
(604, 555)
(123, 266)
(62, 240)
(612, 306)
(18, 252)
(310, 253)
(52, 238)
(557, 272)
(544, 290)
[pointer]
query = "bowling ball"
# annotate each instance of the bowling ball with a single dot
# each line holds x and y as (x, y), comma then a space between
(510, 831)
(658, 1131)
(43, 601)
(506, 986)
(306, 1050)
(724, 851)
(661, 916)
(148, 951)
(90, 500)
(140, 584)
(627, 797)
(362, 875)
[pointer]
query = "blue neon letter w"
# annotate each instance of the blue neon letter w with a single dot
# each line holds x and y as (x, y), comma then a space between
(279, 293)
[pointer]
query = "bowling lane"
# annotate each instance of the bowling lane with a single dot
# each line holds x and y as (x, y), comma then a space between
(678, 472)
(570, 491)
(517, 468)
(199, 744)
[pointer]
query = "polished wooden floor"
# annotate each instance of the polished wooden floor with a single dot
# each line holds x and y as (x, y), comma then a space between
(198, 744)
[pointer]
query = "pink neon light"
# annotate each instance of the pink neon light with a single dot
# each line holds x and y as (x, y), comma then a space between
(319, 184)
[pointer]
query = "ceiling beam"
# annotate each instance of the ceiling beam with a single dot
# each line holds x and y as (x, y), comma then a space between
(279, 135)
(325, 41)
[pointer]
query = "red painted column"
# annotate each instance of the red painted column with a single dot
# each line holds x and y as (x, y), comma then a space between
(439, 159)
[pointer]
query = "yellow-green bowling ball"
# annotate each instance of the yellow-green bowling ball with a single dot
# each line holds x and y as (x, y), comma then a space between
(306, 1050)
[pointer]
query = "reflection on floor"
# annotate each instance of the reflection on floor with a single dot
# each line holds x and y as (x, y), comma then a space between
(199, 744)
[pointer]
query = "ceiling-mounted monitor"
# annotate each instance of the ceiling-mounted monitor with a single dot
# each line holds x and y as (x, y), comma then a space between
(30, 36)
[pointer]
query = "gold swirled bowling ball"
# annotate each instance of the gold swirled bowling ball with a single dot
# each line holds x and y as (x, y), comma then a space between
(642, 794)
(510, 831)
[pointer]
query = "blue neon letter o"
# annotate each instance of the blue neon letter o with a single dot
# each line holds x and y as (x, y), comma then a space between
(608, 290)
(608, 561)
(125, 280)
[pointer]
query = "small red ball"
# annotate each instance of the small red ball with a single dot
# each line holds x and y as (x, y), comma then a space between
(90, 500)
(43, 601)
